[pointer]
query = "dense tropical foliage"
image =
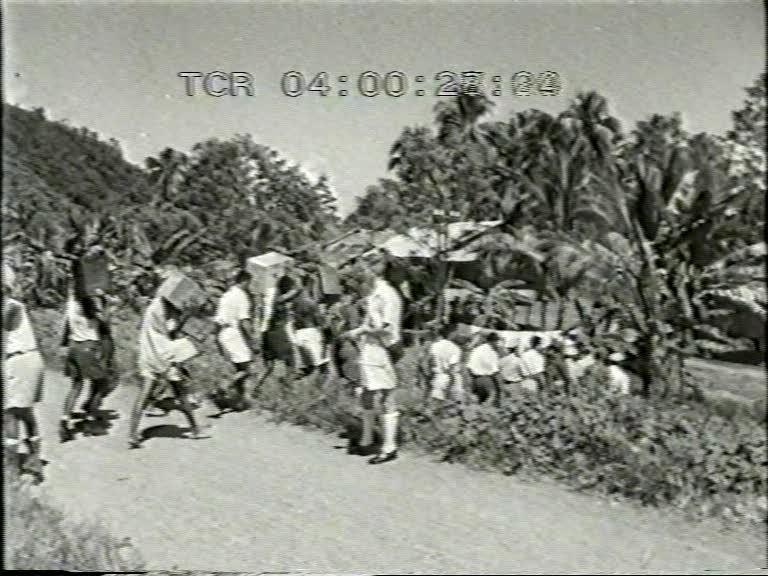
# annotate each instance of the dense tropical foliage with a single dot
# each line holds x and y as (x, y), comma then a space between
(224, 200)
(659, 227)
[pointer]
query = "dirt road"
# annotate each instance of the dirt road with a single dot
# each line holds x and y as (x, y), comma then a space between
(260, 497)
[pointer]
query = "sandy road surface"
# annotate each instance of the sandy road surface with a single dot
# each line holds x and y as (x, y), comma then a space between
(260, 497)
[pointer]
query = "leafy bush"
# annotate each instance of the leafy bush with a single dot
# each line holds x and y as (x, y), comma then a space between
(616, 445)
(658, 454)
(40, 537)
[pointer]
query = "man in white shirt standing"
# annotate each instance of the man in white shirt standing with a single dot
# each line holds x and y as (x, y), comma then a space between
(445, 363)
(511, 369)
(618, 379)
(22, 380)
(378, 342)
(532, 365)
(233, 316)
(483, 366)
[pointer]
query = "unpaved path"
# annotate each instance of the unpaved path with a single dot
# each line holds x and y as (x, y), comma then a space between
(262, 497)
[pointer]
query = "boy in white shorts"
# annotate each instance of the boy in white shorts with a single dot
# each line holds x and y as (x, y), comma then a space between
(378, 339)
(22, 380)
(445, 366)
(235, 340)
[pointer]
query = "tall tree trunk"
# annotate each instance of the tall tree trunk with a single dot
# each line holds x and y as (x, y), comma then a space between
(445, 275)
(582, 313)
(562, 303)
(646, 361)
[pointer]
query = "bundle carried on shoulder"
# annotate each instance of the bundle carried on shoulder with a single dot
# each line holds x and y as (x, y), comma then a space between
(181, 291)
(92, 274)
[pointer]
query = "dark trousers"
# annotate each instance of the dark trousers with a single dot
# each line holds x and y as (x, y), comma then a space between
(483, 387)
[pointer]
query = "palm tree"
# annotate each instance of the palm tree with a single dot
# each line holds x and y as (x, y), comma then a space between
(164, 173)
(458, 119)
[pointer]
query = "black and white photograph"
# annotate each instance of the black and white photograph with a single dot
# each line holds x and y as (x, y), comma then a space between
(384, 287)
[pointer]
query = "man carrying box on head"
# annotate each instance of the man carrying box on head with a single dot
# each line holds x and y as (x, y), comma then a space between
(161, 354)
(89, 358)
(235, 340)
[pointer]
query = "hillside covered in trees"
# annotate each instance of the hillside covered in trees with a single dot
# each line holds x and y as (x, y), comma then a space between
(226, 199)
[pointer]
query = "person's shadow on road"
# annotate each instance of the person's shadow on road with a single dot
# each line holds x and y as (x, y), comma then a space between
(164, 431)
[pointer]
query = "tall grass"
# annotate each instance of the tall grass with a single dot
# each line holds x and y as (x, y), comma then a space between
(37, 536)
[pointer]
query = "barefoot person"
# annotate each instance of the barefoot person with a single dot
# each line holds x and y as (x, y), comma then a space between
(235, 340)
(89, 359)
(277, 325)
(308, 336)
(160, 357)
(378, 337)
(22, 380)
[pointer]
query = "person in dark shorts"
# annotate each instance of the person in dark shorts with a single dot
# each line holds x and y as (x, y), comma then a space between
(309, 335)
(276, 343)
(483, 367)
(90, 358)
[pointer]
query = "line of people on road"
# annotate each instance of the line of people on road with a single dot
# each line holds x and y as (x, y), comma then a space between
(359, 339)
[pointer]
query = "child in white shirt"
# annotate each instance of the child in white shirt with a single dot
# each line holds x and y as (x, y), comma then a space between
(445, 366)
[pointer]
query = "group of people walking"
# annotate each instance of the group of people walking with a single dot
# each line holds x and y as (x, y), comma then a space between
(359, 337)
(292, 331)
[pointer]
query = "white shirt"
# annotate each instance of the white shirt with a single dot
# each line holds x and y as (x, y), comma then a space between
(483, 360)
(234, 306)
(578, 367)
(444, 355)
(157, 351)
(81, 328)
(586, 362)
(20, 338)
(531, 362)
(384, 307)
(619, 379)
(511, 368)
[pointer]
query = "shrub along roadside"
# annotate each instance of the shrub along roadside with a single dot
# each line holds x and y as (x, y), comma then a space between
(658, 455)
(661, 454)
(37, 536)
